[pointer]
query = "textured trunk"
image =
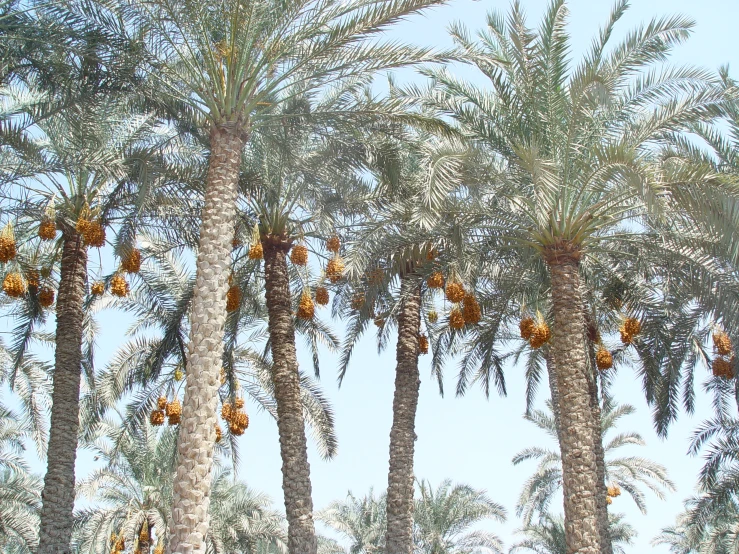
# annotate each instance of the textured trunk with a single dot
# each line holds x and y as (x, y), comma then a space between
(399, 537)
(579, 471)
(552, 373)
(189, 521)
(296, 486)
(58, 493)
(600, 463)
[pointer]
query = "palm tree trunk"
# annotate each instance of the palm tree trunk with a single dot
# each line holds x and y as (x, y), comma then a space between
(554, 391)
(399, 536)
(58, 493)
(579, 469)
(600, 462)
(296, 485)
(189, 521)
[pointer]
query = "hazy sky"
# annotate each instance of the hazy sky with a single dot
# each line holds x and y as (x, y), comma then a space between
(472, 440)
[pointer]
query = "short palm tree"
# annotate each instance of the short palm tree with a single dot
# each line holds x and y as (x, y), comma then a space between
(709, 522)
(361, 521)
(131, 497)
(623, 473)
(442, 519)
(570, 173)
(20, 501)
(547, 536)
(444, 515)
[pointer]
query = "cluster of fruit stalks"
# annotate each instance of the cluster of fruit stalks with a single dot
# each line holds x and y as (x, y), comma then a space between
(298, 256)
(118, 542)
(173, 411)
(235, 416)
(613, 492)
(722, 365)
(17, 285)
(538, 334)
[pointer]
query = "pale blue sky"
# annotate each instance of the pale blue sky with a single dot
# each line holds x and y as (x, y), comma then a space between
(472, 440)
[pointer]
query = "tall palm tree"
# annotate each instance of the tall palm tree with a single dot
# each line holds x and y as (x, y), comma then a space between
(628, 473)
(231, 66)
(135, 487)
(88, 159)
(389, 254)
(569, 169)
(295, 190)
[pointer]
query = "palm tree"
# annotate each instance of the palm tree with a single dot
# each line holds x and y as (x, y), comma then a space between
(442, 518)
(396, 239)
(568, 164)
(88, 159)
(232, 67)
(623, 473)
(294, 192)
(709, 522)
(548, 536)
(362, 521)
(20, 501)
(135, 488)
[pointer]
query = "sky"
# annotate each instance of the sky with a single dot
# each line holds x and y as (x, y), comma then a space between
(472, 439)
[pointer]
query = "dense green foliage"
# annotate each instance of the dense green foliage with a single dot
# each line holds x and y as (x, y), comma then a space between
(218, 172)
